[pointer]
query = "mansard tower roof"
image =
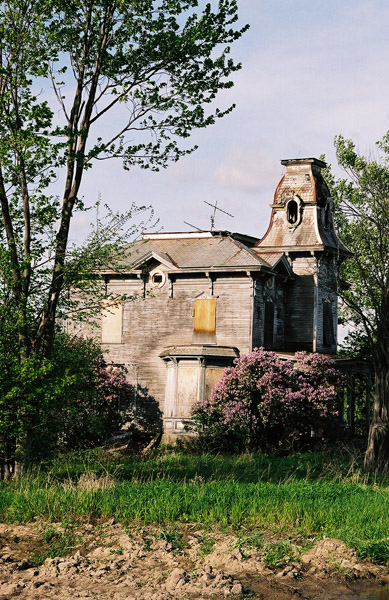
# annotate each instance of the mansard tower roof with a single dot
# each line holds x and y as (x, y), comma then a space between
(301, 218)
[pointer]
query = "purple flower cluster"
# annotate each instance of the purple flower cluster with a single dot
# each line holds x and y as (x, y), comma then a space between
(263, 399)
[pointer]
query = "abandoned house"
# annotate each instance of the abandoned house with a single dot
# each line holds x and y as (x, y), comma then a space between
(204, 297)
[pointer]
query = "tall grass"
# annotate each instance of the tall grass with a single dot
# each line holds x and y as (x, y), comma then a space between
(307, 492)
(184, 467)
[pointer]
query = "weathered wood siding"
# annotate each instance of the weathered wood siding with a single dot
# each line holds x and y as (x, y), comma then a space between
(299, 306)
(315, 285)
(327, 293)
(234, 311)
(275, 295)
(258, 313)
(164, 317)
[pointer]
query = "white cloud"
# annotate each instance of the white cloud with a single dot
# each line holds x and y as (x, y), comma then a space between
(245, 170)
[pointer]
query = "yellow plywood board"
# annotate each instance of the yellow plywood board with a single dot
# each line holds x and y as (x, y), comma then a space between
(187, 389)
(212, 377)
(204, 315)
(112, 323)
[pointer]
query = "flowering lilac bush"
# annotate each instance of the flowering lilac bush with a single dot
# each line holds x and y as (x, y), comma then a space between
(263, 401)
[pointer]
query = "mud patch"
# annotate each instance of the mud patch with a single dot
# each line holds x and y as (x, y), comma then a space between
(115, 562)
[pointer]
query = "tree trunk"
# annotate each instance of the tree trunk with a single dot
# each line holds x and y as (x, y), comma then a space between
(377, 453)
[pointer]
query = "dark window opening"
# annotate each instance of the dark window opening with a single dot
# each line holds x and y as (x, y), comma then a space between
(292, 212)
(268, 325)
(328, 325)
(327, 216)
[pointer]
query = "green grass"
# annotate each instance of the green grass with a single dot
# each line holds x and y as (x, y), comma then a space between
(55, 542)
(312, 493)
(278, 554)
(180, 466)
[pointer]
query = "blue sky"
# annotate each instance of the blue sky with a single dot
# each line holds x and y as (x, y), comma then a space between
(311, 69)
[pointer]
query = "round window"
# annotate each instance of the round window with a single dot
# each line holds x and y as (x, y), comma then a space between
(158, 279)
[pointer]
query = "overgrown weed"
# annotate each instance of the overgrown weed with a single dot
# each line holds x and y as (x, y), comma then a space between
(55, 542)
(206, 544)
(250, 540)
(173, 536)
(90, 481)
(278, 554)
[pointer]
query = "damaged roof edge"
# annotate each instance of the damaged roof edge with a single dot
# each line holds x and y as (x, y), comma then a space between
(171, 235)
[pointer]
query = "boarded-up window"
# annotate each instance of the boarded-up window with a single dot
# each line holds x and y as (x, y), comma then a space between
(268, 325)
(187, 388)
(204, 324)
(112, 323)
(212, 377)
(328, 325)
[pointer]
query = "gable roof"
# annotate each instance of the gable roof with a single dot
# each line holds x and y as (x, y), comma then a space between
(199, 252)
(161, 257)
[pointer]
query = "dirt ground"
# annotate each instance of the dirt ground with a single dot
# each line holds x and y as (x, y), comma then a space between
(111, 561)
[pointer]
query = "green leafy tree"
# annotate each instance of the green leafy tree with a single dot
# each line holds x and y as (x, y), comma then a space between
(146, 71)
(72, 400)
(362, 200)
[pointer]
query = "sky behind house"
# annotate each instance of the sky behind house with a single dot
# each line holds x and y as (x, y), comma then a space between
(312, 69)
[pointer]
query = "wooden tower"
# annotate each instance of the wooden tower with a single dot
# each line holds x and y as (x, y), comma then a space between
(302, 226)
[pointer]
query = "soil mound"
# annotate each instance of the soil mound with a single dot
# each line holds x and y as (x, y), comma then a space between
(114, 562)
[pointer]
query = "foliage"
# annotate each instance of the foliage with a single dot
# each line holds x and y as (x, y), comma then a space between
(356, 345)
(73, 400)
(96, 399)
(82, 82)
(264, 401)
(362, 200)
(362, 217)
(130, 79)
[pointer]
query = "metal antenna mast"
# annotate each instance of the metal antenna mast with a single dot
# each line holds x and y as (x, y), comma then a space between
(215, 208)
(194, 226)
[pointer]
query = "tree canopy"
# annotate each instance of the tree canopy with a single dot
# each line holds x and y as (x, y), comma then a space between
(82, 82)
(362, 199)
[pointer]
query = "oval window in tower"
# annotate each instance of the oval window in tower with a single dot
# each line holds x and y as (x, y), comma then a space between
(292, 211)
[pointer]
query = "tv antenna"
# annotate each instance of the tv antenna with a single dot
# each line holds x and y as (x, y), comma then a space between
(194, 226)
(215, 208)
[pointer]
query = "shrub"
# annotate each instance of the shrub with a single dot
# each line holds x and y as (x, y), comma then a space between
(95, 400)
(263, 401)
(72, 400)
